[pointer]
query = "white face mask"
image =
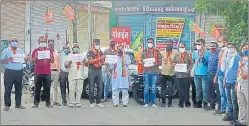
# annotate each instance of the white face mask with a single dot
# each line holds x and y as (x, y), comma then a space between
(181, 50)
(199, 47)
(150, 45)
(231, 50)
(97, 47)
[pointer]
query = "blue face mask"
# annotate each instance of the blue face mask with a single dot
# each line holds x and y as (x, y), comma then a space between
(43, 44)
(13, 44)
(245, 52)
(76, 50)
(66, 51)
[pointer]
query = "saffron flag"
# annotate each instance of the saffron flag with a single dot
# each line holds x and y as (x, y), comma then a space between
(69, 12)
(136, 46)
(214, 31)
(49, 16)
(193, 27)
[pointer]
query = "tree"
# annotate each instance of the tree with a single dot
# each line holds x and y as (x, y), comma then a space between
(235, 14)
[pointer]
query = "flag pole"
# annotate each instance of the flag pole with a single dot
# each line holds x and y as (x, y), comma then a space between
(190, 39)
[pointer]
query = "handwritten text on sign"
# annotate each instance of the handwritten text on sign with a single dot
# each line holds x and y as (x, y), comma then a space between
(181, 68)
(111, 59)
(149, 62)
(44, 54)
(18, 58)
(78, 57)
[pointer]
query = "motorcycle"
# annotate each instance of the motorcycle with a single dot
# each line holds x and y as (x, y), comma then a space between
(138, 89)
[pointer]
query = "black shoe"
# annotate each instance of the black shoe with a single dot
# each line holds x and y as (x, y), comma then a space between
(125, 106)
(35, 105)
(64, 103)
(227, 117)
(187, 104)
(237, 123)
(48, 105)
(180, 106)
(210, 108)
(115, 106)
(198, 105)
(218, 112)
(170, 105)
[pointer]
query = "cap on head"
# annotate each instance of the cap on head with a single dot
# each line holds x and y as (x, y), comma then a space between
(112, 42)
(96, 41)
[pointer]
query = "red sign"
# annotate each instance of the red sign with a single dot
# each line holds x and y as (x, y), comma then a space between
(121, 35)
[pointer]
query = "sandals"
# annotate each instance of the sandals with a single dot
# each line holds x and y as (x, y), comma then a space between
(20, 107)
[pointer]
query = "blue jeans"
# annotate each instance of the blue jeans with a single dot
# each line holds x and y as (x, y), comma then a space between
(223, 97)
(150, 81)
(201, 88)
(107, 85)
(232, 104)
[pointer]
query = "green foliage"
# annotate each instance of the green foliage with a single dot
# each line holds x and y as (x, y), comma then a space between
(235, 14)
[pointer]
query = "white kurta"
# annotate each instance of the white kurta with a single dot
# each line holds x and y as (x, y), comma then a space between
(121, 82)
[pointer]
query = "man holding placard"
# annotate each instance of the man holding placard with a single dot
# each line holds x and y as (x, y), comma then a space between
(13, 59)
(168, 72)
(95, 59)
(42, 58)
(200, 57)
(76, 75)
(111, 51)
(151, 60)
(183, 66)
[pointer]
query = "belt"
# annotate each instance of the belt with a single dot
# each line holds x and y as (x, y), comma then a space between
(54, 70)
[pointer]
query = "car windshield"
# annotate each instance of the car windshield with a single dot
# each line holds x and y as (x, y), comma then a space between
(132, 57)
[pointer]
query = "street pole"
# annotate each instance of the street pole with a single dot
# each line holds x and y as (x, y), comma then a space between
(89, 25)
(75, 24)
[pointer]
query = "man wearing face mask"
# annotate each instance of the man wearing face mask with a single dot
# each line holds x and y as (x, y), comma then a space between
(242, 88)
(151, 73)
(13, 74)
(200, 57)
(64, 71)
(212, 69)
(229, 81)
(167, 78)
(183, 79)
(55, 69)
(220, 76)
(120, 75)
(95, 59)
(108, 69)
(75, 77)
(42, 58)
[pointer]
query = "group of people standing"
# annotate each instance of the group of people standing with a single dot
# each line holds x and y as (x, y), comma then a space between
(220, 77)
(217, 76)
(67, 70)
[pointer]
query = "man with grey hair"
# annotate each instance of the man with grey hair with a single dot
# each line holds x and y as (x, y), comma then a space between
(63, 76)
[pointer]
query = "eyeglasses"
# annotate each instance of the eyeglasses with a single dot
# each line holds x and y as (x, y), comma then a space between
(199, 44)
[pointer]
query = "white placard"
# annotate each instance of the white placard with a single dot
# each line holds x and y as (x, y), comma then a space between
(111, 59)
(44, 54)
(19, 58)
(181, 68)
(149, 62)
(77, 57)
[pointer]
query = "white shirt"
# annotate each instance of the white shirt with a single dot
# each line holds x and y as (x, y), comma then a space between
(75, 73)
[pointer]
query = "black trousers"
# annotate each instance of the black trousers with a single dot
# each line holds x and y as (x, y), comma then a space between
(95, 77)
(213, 91)
(183, 85)
(45, 81)
(193, 90)
(12, 77)
(64, 85)
(167, 86)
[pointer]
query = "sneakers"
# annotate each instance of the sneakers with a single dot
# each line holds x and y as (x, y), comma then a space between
(163, 105)
(20, 107)
(100, 105)
(154, 106)
(125, 106)
(92, 105)
(146, 106)
(115, 106)
(78, 105)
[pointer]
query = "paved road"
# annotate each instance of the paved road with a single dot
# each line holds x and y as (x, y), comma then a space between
(133, 114)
